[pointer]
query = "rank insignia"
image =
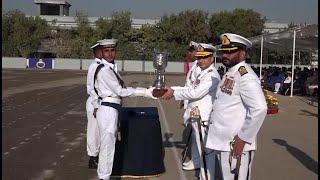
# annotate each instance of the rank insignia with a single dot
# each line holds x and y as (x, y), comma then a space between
(210, 70)
(242, 70)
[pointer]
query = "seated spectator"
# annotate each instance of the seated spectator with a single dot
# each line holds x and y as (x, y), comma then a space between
(311, 84)
(278, 79)
(264, 77)
(286, 83)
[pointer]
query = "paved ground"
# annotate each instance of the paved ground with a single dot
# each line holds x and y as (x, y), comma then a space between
(44, 130)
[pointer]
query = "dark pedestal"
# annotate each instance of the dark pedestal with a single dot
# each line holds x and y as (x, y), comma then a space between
(139, 153)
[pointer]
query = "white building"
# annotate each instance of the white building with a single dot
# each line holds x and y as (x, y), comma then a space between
(56, 13)
(272, 27)
(67, 22)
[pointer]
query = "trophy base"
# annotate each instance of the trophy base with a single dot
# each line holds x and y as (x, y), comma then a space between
(159, 92)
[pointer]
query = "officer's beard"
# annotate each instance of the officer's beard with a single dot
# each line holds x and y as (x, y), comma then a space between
(228, 62)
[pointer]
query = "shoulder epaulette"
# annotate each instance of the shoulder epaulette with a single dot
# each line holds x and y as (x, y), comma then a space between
(242, 70)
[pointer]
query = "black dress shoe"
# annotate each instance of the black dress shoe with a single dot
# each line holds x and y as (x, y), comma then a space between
(93, 162)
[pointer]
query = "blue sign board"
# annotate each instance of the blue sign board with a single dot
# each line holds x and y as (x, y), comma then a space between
(45, 63)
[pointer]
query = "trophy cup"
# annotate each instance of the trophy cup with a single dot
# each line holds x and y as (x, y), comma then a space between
(159, 63)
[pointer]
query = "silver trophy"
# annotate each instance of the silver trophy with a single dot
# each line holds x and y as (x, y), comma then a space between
(160, 61)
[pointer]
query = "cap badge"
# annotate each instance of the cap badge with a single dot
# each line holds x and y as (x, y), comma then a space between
(225, 40)
(200, 48)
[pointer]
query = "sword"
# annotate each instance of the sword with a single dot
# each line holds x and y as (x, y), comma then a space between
(187, 145)
(237, 169)
(195, 116)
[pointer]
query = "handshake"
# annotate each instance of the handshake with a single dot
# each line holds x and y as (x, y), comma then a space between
(153, 93)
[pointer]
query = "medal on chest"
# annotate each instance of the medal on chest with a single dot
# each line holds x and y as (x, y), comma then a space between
(227, 85)
(196, 83)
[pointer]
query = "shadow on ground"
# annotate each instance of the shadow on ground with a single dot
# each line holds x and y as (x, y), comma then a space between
(305, 159)
(308, 113)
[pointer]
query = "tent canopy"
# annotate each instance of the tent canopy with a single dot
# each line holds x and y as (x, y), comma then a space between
(306, 39)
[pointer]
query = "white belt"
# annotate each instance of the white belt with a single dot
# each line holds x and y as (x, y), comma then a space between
(111, 100)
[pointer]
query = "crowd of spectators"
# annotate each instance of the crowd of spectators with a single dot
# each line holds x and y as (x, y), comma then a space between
(278, 80)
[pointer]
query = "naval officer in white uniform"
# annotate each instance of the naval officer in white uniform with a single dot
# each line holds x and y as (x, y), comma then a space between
(200, 93)
(93, 139)
(238, 112)
(111, 89)
(190, 78)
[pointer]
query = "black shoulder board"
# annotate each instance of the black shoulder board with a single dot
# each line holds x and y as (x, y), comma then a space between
(242, 70)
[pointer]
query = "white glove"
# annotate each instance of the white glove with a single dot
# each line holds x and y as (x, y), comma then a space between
(144, 92)
(148, 93)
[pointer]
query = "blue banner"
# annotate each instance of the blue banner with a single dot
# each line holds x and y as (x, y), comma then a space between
(45, 63)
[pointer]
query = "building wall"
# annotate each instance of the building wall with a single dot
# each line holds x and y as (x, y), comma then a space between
(69, 21)
(14, 62)
(67, 64)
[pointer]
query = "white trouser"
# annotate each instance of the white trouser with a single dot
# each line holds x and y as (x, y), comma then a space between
(277, 87)
(107, 121)
(196, 154)
(223, 163)
(93, 138)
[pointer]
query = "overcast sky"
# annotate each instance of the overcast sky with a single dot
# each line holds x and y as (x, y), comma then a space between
(283, 11)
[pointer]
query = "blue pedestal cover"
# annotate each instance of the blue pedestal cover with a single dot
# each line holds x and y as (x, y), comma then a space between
(140, 152)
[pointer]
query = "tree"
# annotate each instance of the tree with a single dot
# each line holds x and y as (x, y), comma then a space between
(103, 28)
(176, 31)
(82, 37)
(21, 35)
(244, 22)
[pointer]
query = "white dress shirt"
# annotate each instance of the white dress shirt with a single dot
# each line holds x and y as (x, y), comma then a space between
(90, 79)
(287, 80)
(109, 87)
(239, 109)
(190, 78)
(201, 93)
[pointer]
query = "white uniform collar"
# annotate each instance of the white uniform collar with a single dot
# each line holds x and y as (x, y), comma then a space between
(97, 60)
(205, 71)
(236, 67)
(113, 66)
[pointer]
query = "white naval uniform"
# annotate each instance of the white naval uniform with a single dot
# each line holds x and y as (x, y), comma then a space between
(190, 78)
(110, 90)
(239, 109)
(93, 139)
(201, 93)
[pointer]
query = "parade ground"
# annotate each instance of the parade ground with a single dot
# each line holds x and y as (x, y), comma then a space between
(44, 129)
